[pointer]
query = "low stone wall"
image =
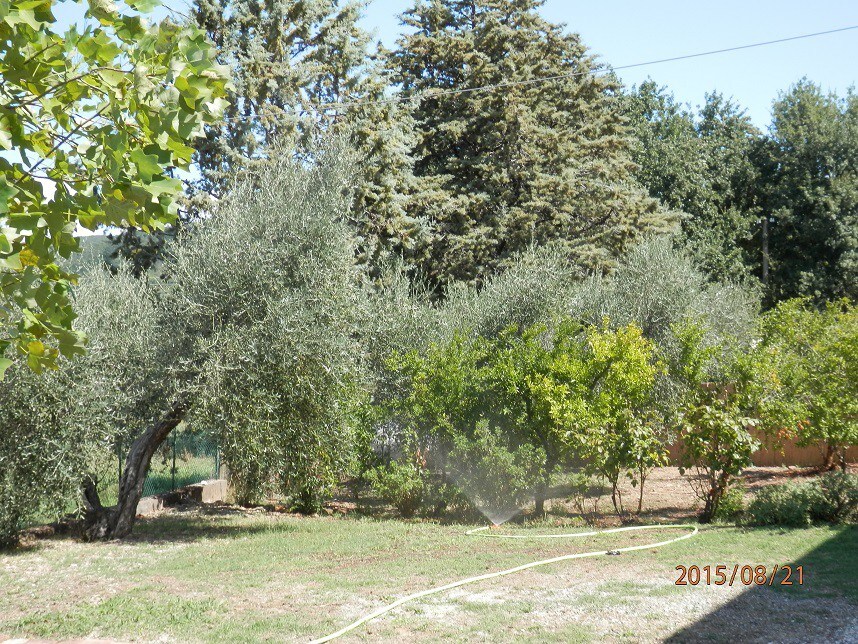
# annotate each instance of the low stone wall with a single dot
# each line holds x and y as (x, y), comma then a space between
(203, 492)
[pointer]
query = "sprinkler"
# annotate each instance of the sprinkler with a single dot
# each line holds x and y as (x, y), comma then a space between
(490, 532)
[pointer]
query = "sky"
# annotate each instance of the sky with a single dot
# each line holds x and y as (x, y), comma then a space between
(632, 31)
(624, 32)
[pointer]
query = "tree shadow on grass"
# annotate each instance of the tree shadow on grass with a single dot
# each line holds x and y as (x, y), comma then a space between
(824, 608)
(185, 525)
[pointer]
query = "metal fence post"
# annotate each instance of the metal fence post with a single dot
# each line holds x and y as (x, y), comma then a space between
(173, 470)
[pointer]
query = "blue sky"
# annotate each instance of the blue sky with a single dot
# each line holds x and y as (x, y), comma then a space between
(632, 31)
(624, 32)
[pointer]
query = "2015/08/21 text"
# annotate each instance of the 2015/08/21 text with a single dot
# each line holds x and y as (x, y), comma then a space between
(722, 575)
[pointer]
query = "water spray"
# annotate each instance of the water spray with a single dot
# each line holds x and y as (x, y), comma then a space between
(488, 532)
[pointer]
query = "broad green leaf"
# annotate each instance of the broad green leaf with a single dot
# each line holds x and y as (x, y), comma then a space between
(5, 363)
(147, 164)
(7, 191)
(144, 6)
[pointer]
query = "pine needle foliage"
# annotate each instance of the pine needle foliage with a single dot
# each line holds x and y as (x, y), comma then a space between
(519, 165)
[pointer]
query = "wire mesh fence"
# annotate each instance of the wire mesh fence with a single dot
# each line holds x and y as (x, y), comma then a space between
(186, 457)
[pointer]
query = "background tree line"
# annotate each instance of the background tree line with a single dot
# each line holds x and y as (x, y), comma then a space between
(458, 182)
(526, 278)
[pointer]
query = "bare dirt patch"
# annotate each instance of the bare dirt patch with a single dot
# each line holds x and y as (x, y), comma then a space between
(668, 496)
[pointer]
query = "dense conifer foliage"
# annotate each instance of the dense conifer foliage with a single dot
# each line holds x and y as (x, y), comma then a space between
(527, 162)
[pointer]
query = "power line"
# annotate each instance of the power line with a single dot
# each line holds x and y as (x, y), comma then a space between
(548, 79)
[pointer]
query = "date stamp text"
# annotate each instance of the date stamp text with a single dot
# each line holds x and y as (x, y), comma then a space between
(722, 575)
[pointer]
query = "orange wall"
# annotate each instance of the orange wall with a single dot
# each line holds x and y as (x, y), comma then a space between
(790, 454)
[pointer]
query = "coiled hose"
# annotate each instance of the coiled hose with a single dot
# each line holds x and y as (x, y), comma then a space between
(544, 562)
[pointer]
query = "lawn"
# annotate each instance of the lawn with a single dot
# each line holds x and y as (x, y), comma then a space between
(224, 574)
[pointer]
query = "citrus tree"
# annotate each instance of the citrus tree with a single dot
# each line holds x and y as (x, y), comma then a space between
(809, 358)
(485, 396)
(93, 123)
(528, 371)
(558, 392)
(715, 416)
(606, 403)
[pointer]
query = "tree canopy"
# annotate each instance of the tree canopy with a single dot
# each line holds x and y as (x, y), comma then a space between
(702, 165)
(811, 193)
(525, 162)
(92, 122)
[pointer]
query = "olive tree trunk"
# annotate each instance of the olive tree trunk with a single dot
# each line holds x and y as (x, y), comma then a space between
(117, 521)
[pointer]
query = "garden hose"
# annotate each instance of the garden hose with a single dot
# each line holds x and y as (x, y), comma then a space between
(544, 562)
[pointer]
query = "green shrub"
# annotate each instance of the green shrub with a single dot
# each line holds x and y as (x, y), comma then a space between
(732, 505)
(402, 484)
(497, 479)
(447, 499)
(786, 505)
(834, 497)
(717, 446)
(579, 486)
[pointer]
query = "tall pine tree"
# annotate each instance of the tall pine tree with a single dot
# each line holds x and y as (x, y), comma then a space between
(382, 133)
(301, 69)
(287, 57)
(532, 161)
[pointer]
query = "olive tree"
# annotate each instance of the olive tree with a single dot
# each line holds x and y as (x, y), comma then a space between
(531, 291)
(61, 429)
(269, 293)
(257, 331)
(659, 288)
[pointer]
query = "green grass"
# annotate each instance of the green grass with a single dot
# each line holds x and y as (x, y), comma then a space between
(239, 577)
(160, 479)
(188, 470)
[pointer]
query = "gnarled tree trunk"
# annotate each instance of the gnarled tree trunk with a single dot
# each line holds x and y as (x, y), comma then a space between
(117, 521)
(832, 458)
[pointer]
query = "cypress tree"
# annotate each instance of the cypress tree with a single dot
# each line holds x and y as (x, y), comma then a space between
(532, 163)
